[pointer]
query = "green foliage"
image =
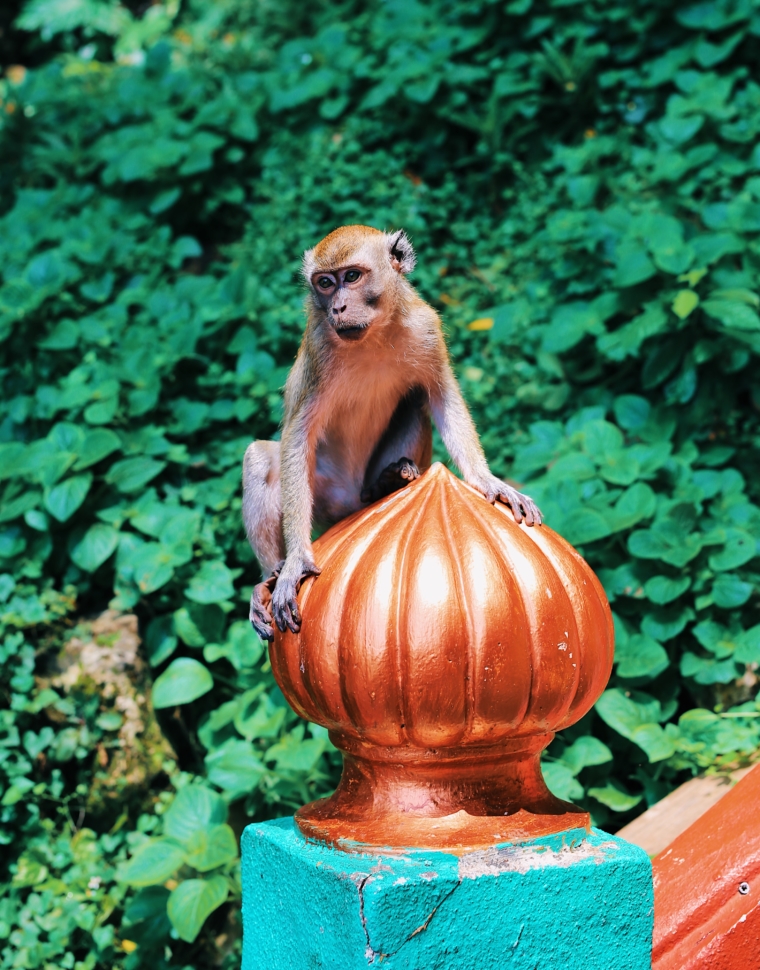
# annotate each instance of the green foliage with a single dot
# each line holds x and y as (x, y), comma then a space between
(196, 837)
(583, 189)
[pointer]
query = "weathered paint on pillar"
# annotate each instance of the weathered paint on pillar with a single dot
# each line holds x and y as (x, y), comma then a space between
(707, 888)
(566, 902)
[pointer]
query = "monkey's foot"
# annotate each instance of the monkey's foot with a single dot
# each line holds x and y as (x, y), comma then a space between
(391, 479)
(522, 506)
(285, 610)
(260, 612)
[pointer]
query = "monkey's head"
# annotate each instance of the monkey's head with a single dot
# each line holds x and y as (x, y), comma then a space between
(356, 275)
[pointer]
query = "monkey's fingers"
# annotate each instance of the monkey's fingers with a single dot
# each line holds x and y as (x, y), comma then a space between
(522, 507)
(517, 511)
(287, 617)
(259, 612)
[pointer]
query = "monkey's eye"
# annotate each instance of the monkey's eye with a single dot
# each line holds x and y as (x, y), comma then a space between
(352, 276)
(324, 283)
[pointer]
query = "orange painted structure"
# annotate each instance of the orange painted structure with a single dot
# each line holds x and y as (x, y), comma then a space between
(443, 645)
(707, 888)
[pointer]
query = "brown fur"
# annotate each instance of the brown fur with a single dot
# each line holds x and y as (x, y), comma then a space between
(371, 371)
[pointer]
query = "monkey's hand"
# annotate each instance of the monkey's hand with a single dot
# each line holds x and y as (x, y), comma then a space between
(260, 612)
(284, 603)
(391, 479)
(522, 507)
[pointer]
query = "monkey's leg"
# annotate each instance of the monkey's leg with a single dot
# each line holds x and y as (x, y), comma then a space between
(262, 517)
(403, 451)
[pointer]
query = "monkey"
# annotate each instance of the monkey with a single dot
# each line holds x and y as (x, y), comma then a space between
(371, 372)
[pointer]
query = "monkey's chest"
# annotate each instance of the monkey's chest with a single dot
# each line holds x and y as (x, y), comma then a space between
(344, 451)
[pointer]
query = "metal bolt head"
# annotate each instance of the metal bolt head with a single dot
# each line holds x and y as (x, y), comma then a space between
(744, 888)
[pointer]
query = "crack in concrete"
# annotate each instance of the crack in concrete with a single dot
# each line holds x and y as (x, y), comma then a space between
(370, 952)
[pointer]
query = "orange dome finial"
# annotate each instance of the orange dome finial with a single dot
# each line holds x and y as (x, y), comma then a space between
(442, 645)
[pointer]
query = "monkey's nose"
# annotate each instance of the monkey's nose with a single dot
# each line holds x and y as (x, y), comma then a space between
(339, 310)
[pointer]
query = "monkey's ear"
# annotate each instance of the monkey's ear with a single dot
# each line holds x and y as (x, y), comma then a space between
(400, 251)
(308, 265)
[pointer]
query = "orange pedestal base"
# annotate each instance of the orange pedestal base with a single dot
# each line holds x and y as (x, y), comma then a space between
(451, 799)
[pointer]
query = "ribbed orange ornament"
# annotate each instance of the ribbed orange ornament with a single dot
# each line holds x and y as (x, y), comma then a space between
(443, 645)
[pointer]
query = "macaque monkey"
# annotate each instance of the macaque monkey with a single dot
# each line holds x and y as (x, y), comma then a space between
(371, 371)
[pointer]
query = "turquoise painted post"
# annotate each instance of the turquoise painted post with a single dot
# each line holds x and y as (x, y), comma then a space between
(574, 901)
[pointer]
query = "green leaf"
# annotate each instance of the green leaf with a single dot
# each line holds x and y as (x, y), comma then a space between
(199, 624)
(665, 624)
(586, 751)
(64, 499)
(235, 767)
(560, 781)
(680, 129)
(619, 467)
(148, 909)
(633, 265)
(732, 314)
(192, 902)
(708, 670)
(738, 550)
(685, 303)
(211, 584)
(600, 438)
(132, 474)
(66, 437)
(586, 525)
(615, 797)
(97, 444)
(19, 506)
(631, 411)
(711, 247)
(625, 711)
(728, 592)
(647, 544)
(569, 325)
(652, 739)
(153, 862)
(636, 503)
(292, 753)
(715, 638)
(187, 629)
(242, 647)
(641, 656)
(151, 566)
(748, 646)
(95, 546)
(160, 641)
(110, 721)
(257, 716)
(183, 681)
(212, 847)
(664, 589)
(195, 809)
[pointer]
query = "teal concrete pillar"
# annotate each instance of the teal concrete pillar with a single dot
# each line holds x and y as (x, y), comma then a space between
(442, 646)
(573, 901)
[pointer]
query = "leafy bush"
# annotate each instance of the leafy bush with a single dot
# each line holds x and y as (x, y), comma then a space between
(582, 185)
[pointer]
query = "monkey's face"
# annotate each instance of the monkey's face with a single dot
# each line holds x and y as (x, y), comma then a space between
(349, 298)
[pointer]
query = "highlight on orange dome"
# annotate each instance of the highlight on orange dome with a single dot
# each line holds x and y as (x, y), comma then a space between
(442, 646)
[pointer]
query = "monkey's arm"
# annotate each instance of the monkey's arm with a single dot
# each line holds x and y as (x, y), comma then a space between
(457, 429)
(296, 471)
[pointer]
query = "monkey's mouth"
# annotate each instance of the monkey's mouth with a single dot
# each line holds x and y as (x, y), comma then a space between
(354, 332)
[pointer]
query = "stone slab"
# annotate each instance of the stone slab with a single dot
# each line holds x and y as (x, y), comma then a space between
(567, 902)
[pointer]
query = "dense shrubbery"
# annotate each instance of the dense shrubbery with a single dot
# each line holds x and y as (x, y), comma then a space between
(582, 184)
